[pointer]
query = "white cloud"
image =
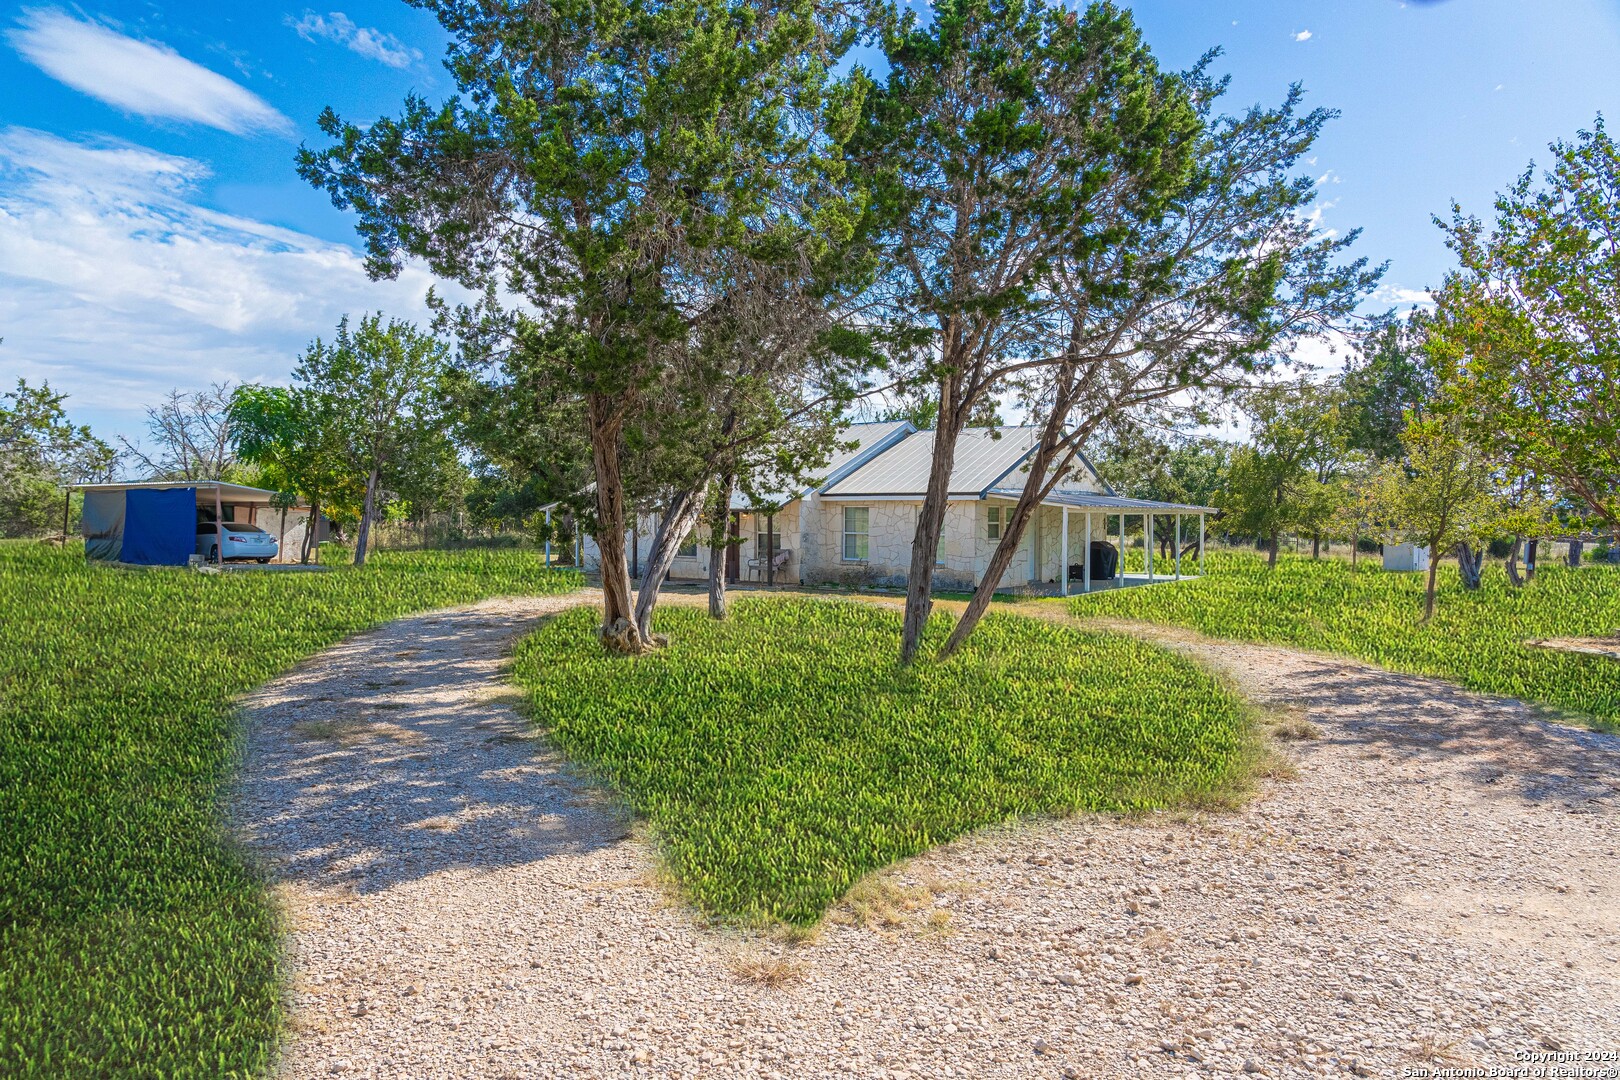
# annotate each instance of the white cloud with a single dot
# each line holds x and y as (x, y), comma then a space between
(1303, 35)
(1400, 296)
(368, 41)
(116, 284)
(145, 78)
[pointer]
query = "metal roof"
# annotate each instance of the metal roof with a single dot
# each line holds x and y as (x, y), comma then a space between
(237, 492)
(1091, 500)
(983, 457)
(870, 440)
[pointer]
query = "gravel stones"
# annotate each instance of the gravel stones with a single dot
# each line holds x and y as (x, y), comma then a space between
(460, 904)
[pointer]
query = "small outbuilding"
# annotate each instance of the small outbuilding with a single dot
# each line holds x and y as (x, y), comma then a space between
(155, 523)
(1406, 558)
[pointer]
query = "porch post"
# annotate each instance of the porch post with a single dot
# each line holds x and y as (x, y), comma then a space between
(1200, 545)
(770, 549)
(1178, 547)
(1085, 575)
(1119, 571)
(1147, 545)
(219, 527)
(1063, 568)
(1034, 544)
(548, 539)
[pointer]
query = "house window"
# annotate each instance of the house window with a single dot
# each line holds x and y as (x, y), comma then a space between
(857, 523)
(995, 523)
(688, 548)
(939, 548)
(761, 539)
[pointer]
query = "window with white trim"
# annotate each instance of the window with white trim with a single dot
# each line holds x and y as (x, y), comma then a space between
(688, 548)
(996, 522)
(857, 528)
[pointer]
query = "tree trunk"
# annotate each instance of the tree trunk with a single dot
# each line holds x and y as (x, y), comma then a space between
(1469, 564)
(1530, 551)
(1316, 545)
(1271, 556)
(1428, 597)
(618, 631)
(281, 540)
(718, 546)
(311, 525)
(1514, 577)
(369, 507)
(1355, 548)
(1575, 547)
(1000, 560)
(1023, 512)
(930, 522)
(679, 519)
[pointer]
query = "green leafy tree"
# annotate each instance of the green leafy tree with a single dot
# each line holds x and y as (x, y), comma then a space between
(294, 441)
(375, 392)
(1388, 378)
(1443, 496)
(1274, 482)
(602, 155)
(1008, 136)
(1526, 333)
(1077, 226)
(40, 450)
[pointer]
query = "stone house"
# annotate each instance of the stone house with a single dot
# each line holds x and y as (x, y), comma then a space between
(855, 525)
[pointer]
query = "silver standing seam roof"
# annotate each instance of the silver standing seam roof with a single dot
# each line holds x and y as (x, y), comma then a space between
(869, 439)
(984, 456)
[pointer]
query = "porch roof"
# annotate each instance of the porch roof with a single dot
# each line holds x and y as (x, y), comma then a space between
(234, 493)
(1113, 504)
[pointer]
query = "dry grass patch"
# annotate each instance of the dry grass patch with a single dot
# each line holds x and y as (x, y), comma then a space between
(760, 969)
(879, 902)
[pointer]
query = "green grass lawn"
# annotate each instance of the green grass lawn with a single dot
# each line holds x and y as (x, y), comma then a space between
(133, 940)
(1475, 639)
(783, 754)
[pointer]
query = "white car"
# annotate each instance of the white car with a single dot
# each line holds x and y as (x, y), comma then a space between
(241, 542)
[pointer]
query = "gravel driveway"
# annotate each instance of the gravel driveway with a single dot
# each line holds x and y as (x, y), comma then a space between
(1437, 884)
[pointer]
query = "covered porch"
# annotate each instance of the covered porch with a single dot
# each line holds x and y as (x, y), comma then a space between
(1065, 549)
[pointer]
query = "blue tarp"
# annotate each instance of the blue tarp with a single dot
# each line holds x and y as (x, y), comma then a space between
(160, 526)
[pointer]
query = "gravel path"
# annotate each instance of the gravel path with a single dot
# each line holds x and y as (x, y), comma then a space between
(1437, 884)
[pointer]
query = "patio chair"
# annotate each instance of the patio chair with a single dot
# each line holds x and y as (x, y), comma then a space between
(779, 561)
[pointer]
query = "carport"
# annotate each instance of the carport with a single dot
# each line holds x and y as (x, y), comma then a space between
(154, 523)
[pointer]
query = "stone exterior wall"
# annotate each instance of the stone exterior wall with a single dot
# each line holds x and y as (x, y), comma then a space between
(891, 525)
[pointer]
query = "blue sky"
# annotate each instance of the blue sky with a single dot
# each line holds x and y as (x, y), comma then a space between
(153, 233)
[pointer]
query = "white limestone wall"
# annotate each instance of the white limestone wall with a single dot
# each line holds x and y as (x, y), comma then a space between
(891, 527)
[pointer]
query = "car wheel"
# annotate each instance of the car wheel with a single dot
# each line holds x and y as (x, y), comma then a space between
(213, 554)
(264, 560)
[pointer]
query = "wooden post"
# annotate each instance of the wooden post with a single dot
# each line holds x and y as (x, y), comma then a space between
(1063, 568)
(1034, 542)
(1085, 574)
(219, 525)
(1147, 545)
(1200, 545)
(770, 549)
(67, 502)
(1177, 548)
(635, 547)
(548, 539)
(1119, 571)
